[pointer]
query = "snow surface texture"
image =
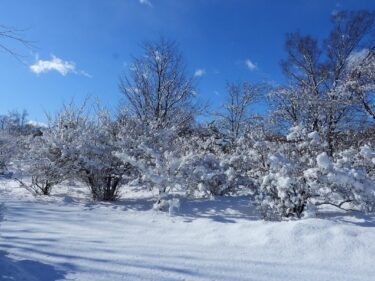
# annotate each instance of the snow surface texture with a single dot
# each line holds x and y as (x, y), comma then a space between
(70, 238)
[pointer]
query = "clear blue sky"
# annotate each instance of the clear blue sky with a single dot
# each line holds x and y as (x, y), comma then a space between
(92, 41)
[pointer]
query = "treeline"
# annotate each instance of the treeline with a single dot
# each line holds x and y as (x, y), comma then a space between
(313, 147)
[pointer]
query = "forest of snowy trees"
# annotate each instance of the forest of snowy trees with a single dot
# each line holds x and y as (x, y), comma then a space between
(313, 145)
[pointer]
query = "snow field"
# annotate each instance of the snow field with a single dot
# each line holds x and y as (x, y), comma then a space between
(71, 238)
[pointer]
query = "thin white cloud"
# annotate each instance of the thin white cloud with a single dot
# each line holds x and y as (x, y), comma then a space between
(56, 64)
(250, 65)
(146, 2)
(84, 73)
(199, 72)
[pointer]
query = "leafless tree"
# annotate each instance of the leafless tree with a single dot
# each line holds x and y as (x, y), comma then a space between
(157, 86)
(319, 75)
(240, 96)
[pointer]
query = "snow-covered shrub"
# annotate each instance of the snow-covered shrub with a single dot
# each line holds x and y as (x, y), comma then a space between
(44, 164)
(14, 131)
(168, 160)
(154, 152)
(12, 147)
(208, 166)
(283, 192)
(98, 165)
(250, 154)
(205, 174)
(346, 181)
(301, 173)
(86, 147)
(53, 152)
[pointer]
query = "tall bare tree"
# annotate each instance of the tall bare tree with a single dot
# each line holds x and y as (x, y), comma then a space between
(240, 96)
(157, 86)
(319, 75)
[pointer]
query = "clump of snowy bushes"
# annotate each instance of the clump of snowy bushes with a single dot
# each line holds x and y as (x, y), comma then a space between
(285, 175)
(79, 147)
(315, 146)
(301, 174)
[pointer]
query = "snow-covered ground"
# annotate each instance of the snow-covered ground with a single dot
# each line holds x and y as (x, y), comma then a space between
(71, 238)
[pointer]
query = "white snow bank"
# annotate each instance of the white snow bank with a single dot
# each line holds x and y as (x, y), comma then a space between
(206, 240)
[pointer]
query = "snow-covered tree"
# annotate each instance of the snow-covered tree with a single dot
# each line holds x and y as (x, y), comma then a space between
(158, 88)
(319, 74)
(236, 115)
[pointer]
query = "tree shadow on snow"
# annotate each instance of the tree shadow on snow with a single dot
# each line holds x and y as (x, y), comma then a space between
(224, 209)
(352, 217)
(139, 204)
(27, 270)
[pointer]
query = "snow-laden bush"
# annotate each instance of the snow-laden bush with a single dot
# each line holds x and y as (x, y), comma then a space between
(346, 181)
(168, 160)
(98, 165)
(208, 166)
(283, 192)
(301, 173)
(207, 174)
(53, 152)
(154, 152)
(85, 148)
(14, 133)
(44, 164)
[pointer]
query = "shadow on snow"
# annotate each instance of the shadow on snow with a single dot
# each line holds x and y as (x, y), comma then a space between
(17, 270)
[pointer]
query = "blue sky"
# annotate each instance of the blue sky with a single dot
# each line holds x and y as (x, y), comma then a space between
(82, 46)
